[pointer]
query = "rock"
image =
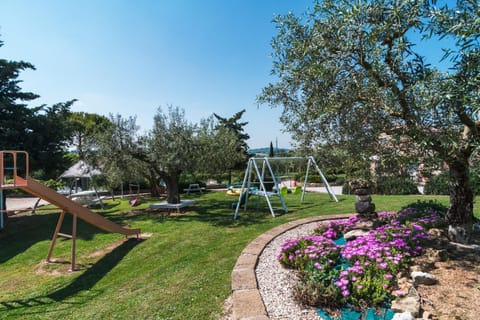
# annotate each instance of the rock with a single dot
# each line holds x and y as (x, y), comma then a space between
(360, 184)
(404, 284)
(442, 255)
(365, 225)
(363, 203)
(435, 233)
(353, 234)
(364, 198)
(403, 316)
(435, 255)
(415, 267)
(407, 304)
(420, 277)
(361, 191)
(460, 233)
(364, 207)
(473, 247)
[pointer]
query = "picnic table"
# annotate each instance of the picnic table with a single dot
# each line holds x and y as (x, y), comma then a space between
(194, 187)
(88, 198)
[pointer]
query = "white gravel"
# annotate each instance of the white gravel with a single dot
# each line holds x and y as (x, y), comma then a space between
(275, 282)
(23, 203)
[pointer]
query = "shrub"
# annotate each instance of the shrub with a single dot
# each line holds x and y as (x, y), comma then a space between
(361, 272)
(424, 207)
(437, 184)
(54, 184)
(314, 293)
(340, 181)
(396, 185)
(306, 252)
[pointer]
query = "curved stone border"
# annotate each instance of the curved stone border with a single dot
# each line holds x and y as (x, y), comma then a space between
(247, 301)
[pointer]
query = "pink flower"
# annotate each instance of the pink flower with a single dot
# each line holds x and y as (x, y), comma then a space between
(399, 293)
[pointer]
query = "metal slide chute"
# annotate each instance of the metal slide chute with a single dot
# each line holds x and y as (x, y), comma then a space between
(14, 174)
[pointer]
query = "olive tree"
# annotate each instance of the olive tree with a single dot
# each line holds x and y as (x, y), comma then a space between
(220, 150)
(350, 70)
(173, 147)
(113, 150)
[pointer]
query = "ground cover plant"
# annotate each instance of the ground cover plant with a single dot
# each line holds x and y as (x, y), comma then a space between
(361, 273)
(181, 271)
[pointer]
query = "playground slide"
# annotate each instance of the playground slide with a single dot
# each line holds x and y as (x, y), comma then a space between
(33, 187)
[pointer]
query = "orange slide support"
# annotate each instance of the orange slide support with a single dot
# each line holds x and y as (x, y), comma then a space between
(37, 189)
(17, 173)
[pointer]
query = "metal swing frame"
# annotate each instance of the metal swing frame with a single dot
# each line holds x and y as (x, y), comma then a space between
(253, 167)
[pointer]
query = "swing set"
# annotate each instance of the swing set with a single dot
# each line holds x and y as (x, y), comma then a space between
(268, 185)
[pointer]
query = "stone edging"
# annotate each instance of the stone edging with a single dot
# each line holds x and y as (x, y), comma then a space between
(247, 301)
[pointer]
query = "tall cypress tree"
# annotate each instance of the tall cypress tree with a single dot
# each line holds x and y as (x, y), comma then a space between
(41, 130)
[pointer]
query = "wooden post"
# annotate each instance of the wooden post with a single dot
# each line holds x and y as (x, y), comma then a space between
(73, 236)
(74, 240)
(55, 235)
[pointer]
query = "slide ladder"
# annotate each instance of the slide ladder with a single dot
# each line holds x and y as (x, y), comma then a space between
(14, 174)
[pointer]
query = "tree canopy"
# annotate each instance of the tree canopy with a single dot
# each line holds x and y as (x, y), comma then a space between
(41, 130)
(234, 125)
(350, 70)
(173, 147)
(84, 127)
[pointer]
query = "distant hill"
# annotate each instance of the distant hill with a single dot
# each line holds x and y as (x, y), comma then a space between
(266, 151)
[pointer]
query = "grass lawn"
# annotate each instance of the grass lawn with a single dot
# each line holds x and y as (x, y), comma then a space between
(182, 271)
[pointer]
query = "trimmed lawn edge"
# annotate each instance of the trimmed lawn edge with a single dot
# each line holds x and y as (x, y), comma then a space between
(247, 301)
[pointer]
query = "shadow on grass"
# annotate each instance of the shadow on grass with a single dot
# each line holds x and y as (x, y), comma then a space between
(92, 275)
(218, 210)
(80, 289)
(23, 231)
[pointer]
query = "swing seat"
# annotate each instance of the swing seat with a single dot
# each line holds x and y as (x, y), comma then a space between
(297, 190)
(134, 201)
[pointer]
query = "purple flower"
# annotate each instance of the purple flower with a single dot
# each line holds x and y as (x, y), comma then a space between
(399, 293)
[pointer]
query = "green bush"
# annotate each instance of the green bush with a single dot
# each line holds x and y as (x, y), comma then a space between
(54, 184)
(396, 186)
(424, 207)
(437, 185)
(475, 180)
(314, 178)
(340, 180)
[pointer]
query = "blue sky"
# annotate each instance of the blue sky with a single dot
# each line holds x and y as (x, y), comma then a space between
(130, 57)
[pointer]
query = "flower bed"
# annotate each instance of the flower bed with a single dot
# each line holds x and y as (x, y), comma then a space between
(361, 273)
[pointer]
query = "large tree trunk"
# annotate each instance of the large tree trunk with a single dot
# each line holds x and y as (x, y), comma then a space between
(460, 214)
(173, 194)
(154, 188)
